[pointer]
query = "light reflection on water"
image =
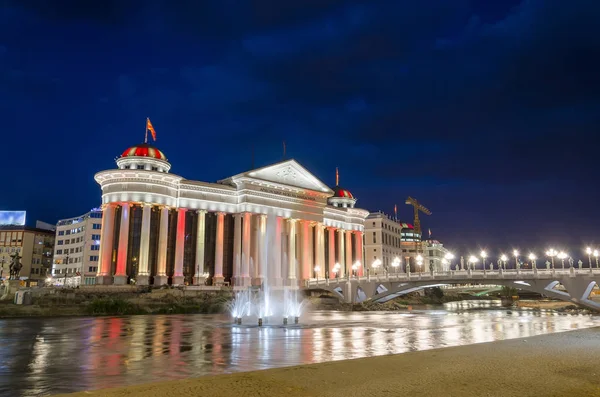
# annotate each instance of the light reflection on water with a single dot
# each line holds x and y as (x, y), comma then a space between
(47, 356)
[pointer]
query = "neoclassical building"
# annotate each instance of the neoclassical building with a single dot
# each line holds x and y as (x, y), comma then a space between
(277, 221)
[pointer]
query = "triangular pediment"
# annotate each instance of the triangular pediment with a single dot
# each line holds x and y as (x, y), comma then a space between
(289, 173)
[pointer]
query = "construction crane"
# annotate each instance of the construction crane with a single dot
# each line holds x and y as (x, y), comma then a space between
(417, 223)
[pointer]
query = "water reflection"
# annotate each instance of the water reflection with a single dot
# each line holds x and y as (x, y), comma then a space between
(46, 356)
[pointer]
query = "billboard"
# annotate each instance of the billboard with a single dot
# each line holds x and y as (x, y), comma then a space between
(12, 218)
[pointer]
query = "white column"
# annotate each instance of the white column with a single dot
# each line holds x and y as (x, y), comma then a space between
(310, 269)
(331, 244)
(143, 276)
(341, 259)
(200, 234)
(262, 251)
(106, 245)
(320, 249)
(179, 247)
(304, 250)
(246, 245)
(348, 252)
(161, 261)
(274, 251)
(359, 252)
(254, 251)
(237, 249)
(121, 273)
(291, 254)
(218, 276)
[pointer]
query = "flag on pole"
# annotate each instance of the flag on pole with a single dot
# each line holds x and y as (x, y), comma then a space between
(429, 233)
(150, 128)
(396, 211)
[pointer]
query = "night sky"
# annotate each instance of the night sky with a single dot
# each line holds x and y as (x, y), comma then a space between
(486, 111)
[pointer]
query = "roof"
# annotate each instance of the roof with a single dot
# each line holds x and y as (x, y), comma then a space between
(144, 150)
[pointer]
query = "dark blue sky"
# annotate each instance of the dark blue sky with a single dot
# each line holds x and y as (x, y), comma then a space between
(486, 111)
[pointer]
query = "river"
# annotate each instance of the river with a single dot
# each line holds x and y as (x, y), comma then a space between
(44, 356)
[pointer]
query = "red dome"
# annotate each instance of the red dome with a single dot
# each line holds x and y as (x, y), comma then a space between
(341, 192)
(144, 150)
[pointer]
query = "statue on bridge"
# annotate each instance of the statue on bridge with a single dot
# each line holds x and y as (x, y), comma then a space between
(571, 261)
(15, 266)
(580, 263)
(548, 265)
(462, 263)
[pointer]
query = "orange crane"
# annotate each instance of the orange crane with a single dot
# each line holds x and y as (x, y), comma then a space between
(417, 223)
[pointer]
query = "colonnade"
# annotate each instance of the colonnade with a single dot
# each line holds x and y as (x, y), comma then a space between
(296, 249)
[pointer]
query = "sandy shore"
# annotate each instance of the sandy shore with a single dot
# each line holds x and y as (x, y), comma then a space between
(564, 364)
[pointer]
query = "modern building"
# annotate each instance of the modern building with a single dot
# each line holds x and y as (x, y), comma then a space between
(34, 246)
(77, 249)
(278, 221)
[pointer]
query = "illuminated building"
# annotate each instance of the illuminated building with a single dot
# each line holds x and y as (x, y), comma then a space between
(160, 228)
(35, 247)
(433, 253)
(77, 249)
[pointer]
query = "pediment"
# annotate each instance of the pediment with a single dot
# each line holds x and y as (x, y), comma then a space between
(289, 173)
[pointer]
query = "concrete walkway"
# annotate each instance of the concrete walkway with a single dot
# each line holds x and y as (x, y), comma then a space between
(564, 364)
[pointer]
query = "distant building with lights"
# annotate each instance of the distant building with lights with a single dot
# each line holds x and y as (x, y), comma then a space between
(35, 246)
(387, 238)
(278, 221)
(77, 249)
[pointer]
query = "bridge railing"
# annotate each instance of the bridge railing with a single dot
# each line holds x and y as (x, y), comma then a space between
(460, 274)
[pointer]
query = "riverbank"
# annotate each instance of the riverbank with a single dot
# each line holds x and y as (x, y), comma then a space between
(86, 303)
(562, 364)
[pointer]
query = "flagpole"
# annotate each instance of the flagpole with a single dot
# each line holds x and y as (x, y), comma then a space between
(146, 137)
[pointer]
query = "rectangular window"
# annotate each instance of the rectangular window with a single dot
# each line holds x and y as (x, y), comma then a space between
(95, 247)
(374, 238)
(96, 226)
(61, 232)
(60, 242)
(95, 237)
(140, 167)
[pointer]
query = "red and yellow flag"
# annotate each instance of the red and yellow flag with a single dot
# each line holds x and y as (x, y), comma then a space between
(150, 128)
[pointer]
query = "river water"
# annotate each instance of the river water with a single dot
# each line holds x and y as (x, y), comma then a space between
(56, 355)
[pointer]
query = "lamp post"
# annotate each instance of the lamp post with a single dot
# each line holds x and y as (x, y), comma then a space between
(419, 262)
(589, 251)
(595, 253)
(562, 256)
(317, 270)
(483, 255)
(396, 264)
(472, 261)
(503, 259)
(336, 269)
(552, 253)
(375, 265)
(516, 254)
(532, 258)
(448, 257)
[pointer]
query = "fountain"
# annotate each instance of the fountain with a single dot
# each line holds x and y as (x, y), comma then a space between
(271, 300)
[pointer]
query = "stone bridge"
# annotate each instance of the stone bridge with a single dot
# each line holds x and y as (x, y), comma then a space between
(571, 285)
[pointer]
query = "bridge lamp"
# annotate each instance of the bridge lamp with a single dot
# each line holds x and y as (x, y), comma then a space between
(483, 255)
(552, 253)
(419, 261)
(562, 256)
(355, 267)
(317, 270)
(532, 258)
(396, 264)
(595, 253)
(589, 251)
(516, 254)
(375, 265)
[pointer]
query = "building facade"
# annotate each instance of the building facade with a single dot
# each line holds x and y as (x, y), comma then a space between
(278, 221)
(34, 246)
(434, 253)
(77, 249)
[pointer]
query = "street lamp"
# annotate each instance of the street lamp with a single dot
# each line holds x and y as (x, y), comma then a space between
(375, 265)
(516, 254)
(589, 251)
(419, 262)
(532, 258)
(595, 253)
(336, 269)
(317, 270)
(483, 255)
(552, 253)
(396, 264)
(562, 256)
(504, 259)
(472, 261)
